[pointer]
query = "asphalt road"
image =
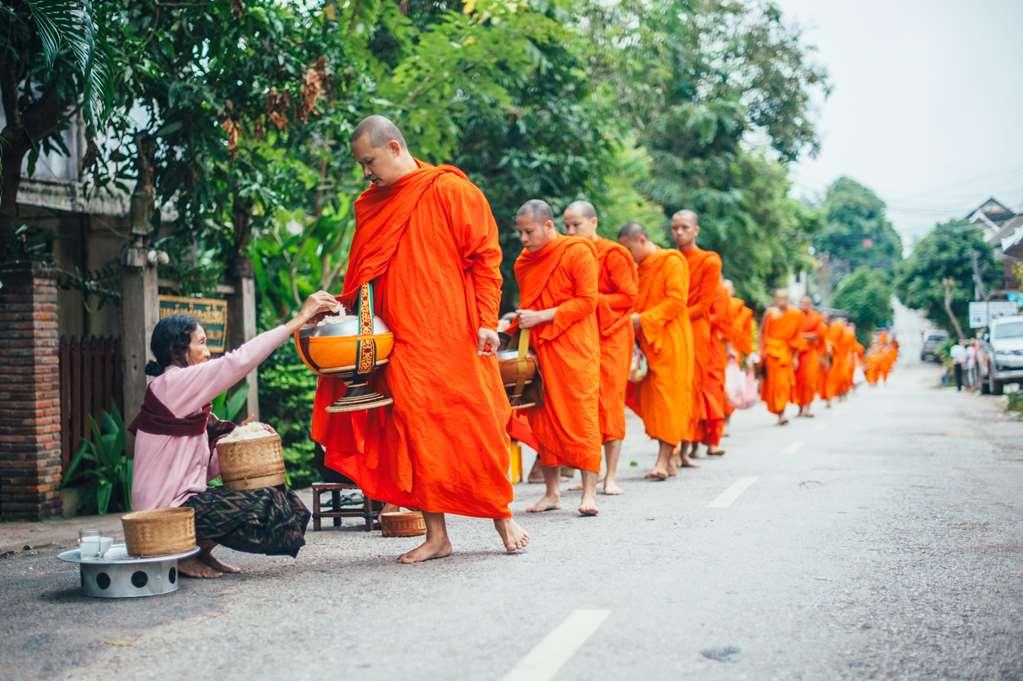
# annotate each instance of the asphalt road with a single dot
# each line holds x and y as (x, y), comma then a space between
(881, 540)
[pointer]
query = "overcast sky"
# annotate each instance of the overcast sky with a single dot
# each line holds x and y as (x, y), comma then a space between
(927, 103)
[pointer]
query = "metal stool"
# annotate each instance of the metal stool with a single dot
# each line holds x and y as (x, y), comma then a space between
(336, 512)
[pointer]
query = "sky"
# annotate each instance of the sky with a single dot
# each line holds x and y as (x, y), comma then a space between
(926, 106)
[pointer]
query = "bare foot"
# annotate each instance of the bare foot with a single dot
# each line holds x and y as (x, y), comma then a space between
(715, 452)
(546, 503)
(674, 463)
(588, 507)
(688, 463)
(514, 537)
(612, 489)
(579, 487)
(535, 473)
(208, 559)
(656, 474)
(197, 569)
(427, 551)
(783, 422)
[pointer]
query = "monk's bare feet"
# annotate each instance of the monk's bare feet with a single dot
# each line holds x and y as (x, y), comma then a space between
(547, 502)
(428, 550)
(535, 473)
(198, 570)
(612, 489)
(514, 537)
(782, 421)
(588, 506)
(579, 486)
(689, 463)
(209, 560)
(674, 463)
(715, 452)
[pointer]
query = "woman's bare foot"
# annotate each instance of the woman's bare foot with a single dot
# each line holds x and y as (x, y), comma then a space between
(611, 488)
(226, 568)
(514, 537)
(197, 569)
(428, 550)
(547, 502)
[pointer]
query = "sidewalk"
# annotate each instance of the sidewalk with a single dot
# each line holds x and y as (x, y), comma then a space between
(24, 535)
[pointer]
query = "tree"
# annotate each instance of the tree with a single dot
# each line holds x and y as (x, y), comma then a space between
(866, 295)
(945, 253)
(857, 232)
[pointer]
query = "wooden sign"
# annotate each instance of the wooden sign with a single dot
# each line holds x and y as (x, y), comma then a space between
(211, 313)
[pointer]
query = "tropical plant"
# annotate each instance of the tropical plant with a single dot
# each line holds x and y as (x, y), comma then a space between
(866, 295)
(229, 404)
(101, 464)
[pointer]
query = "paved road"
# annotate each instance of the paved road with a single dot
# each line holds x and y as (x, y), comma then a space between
(883, 539)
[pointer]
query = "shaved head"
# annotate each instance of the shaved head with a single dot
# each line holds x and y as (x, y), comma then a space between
(534, 222)
(580, 219)
(583, 208)
(686, 214)
(635, 239)
(631, 230)
(685, 227)
(379, 130)
(537, 210)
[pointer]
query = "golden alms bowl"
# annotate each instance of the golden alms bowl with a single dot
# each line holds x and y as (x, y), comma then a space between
(338, 349)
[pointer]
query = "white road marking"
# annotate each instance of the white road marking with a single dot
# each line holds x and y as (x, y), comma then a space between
(558, 647)
(793, 448)
(725, 499)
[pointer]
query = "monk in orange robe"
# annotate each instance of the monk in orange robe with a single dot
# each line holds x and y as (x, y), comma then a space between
(557, 278)
(839, 354)
(704, 279)
(780, 343)
(664, 398)
(720, 329)
(807, 376)
(426, 238)
(616, 292)
(739, 336)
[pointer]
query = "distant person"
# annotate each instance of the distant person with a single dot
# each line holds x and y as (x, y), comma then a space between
(971, 365)
(958, 355)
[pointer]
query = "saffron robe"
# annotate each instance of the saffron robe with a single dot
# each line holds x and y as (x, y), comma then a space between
(836, 357)
(617, 286)
(720, 327)
(664, 399)
(563, 275)
(430, 244)
(780, 340)
(813, 331)
(704, 279)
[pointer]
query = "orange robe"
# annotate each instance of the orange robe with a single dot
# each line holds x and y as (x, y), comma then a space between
(704, 280)
(780, 341)
(430, 244)
(741, 334)
(664, 398)
(720, 328)
(563, 275)
(617, 285)
(808, 374)
(839, 354)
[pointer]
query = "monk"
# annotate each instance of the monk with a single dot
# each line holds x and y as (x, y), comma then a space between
(704, 279)
(720, 329)
(739, 337)
(557, 278)
(839, 354)
(807, 376)
(780, 341)
(616, 292)
(426, 239)
(664, 398)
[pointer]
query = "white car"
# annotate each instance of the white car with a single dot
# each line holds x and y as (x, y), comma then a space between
(1002, 349)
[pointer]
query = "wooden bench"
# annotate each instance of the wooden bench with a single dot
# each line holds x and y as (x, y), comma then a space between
(337, 512)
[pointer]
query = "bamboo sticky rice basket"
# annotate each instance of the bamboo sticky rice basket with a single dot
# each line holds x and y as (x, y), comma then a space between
(402, 524)
(251, 463)
(159, 532)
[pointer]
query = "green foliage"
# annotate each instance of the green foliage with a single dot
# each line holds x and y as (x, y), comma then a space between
(229, 404)
(101, 464)
(286, 391)
(857, 232)
(944, 253)
(866, 295)
(1016, 401)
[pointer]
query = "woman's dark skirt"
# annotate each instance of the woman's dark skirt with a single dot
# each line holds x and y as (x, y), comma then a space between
(271, 520)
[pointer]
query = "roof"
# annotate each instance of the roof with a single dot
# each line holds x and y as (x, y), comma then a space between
(992, 209)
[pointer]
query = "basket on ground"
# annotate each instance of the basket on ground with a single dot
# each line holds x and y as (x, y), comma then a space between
(251, 462)
(402, 524)
(159, 532)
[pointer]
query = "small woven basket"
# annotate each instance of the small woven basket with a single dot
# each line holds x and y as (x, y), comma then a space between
(159, 532)
(252, 464)
(402, 524)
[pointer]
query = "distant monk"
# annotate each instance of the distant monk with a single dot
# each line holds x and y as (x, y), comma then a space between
(704, 278)
(557, 278)
(616, 289)
(664, 399)
(780, 340)
(426, 238)
(720, 330)
(839, 354)
(808, 375)
(740, 336)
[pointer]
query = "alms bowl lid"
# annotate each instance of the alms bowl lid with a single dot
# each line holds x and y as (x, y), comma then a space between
(348, 326)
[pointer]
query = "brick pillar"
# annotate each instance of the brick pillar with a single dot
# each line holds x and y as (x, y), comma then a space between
(30, 463)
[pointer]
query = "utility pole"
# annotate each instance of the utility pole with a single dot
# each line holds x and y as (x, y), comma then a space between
(978, 283)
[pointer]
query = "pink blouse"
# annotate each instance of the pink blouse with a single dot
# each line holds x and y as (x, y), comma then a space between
(170, 469)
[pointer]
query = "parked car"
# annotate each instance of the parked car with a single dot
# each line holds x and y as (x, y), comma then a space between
(932, 341)
(1002, 354)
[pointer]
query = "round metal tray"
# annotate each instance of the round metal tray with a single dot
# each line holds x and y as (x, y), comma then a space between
(119, 575)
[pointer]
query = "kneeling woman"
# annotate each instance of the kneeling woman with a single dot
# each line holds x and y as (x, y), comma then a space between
(176, 437)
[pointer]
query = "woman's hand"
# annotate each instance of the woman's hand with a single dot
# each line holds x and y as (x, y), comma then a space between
(530, 318)
(318, 304)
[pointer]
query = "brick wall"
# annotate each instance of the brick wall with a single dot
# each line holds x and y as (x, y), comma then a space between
(30, 464)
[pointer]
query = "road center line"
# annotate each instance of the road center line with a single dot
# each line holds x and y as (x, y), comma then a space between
(550, 654)
(793, 448)
(725, 499)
